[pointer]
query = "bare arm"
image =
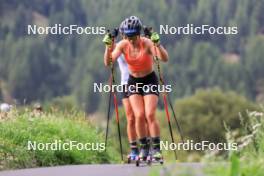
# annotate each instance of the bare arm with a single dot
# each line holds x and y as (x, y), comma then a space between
(160, 51)
(112, 53)
(107, 57)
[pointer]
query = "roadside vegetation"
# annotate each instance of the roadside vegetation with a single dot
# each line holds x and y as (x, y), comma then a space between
(21, 125)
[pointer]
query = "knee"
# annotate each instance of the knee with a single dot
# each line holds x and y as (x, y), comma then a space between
(140, 116)
(130, 115)
(131, 120)
(150, 116)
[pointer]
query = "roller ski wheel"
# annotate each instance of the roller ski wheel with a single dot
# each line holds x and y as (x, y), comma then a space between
(145, 160)
(132, 157)
(143, 157)
(157, 157)
(158, 160)
(137, 162)
(149, 160)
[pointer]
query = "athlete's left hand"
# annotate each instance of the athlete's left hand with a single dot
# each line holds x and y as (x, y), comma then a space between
(155, 38)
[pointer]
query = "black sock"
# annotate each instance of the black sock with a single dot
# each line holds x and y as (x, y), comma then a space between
(143, 142)
(148, 140)
(156, 143)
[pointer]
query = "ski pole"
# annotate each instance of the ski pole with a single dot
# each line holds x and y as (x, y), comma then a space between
(165, 102)
(112, 91)
(108, 113)
(109, 102)
(117, 114)
(174, 115)
(169, 100)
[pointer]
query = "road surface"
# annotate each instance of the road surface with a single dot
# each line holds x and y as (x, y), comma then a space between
(104, 170)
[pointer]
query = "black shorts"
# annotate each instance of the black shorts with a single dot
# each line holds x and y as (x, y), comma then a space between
(124, 93)
(143, 86)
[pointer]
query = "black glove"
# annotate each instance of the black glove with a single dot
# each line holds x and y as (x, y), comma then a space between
(147, 31)
(114, 33)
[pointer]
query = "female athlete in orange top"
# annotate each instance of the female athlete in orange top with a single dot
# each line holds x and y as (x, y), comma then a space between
(143, 92)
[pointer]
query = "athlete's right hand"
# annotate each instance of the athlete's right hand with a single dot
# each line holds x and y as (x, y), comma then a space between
(147, 31)
(108, 40)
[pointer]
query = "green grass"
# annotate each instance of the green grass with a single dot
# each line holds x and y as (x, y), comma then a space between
(248, 161)
(21, 126)
(238, 167)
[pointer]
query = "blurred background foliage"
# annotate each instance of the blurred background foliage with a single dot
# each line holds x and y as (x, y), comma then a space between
(43, 67)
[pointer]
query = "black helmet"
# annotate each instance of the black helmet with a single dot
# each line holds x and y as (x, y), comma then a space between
(132, 26)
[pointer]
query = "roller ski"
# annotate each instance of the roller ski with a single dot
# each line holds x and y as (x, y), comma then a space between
(143, 157)
(132, 157)
(156, 157)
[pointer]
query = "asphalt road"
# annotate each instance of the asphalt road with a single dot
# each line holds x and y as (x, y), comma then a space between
(101, 170)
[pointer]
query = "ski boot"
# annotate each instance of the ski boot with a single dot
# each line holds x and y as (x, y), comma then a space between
(132, 156)
(156, 156)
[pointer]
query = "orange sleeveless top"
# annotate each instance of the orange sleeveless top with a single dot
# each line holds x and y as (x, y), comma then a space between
(140, 63)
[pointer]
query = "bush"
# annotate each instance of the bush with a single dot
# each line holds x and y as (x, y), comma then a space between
(202, 116)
